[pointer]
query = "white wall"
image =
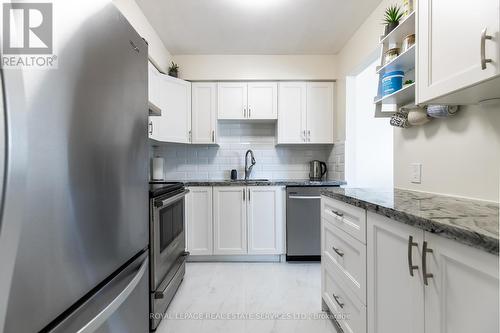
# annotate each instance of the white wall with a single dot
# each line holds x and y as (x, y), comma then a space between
(256, 67)
(361, 45)
(369, 140)
(459, 155)
(158, 54)
(210, 162)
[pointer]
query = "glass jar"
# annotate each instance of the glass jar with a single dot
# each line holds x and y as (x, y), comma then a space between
(408, 42)
(390, 55)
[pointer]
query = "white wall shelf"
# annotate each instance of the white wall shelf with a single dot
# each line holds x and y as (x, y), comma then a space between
(386, 106)
(404, 62)
(401, 97)
(405, 28)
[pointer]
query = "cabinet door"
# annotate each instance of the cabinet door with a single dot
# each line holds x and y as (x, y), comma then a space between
(174, 124)
(462, 295)
(265, 206)
(449, 45)
(199, 221)
(230, 230)
(232, 100)
(320, 112)
(204, 112)
(395, 298)
(292, 112)
(262, 100)
(153, 84)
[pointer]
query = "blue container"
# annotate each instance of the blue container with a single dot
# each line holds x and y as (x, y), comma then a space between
(392, 82)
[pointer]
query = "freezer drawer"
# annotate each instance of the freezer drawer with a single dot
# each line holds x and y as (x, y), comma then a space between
(120, 306)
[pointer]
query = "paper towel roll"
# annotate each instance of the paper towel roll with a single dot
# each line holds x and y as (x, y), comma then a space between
(157, 168)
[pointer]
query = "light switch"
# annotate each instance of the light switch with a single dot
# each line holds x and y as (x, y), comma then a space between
(416, 173)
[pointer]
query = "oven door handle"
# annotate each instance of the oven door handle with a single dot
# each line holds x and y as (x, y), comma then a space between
(166, 202)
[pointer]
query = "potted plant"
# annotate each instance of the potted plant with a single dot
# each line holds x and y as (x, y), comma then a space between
(392, 16)
(407, 83)
(173, 70)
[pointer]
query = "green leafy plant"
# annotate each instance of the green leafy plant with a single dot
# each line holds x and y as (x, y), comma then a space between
(408, 81)
(393, 14)
(173, 67)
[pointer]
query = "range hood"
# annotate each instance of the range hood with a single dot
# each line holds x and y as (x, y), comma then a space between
(154, 110)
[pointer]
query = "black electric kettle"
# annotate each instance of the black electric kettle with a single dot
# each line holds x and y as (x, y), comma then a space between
(317, 170)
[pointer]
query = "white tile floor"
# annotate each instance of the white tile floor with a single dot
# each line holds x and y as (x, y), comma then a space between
(248, 289)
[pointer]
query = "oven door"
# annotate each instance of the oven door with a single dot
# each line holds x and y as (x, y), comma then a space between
(167, 236)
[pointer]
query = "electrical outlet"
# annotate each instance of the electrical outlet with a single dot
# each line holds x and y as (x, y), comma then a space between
(416, 173)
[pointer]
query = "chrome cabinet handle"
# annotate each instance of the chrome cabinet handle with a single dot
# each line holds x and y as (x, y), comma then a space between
(426, 275)
(249, 112)
(484, 37)
(244, 112)
(150, 127)
(248, 194)
(213, 136)
(190, 134)
(338, 251)
(336, 298)
(339, 214)
(411, 244)
(244, 194)
(304, 136)
(309, 135)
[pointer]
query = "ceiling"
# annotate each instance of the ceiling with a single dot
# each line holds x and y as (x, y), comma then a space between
(256, 26)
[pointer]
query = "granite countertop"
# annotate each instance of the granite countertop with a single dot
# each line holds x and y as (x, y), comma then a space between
(272, 182)
(470, 222)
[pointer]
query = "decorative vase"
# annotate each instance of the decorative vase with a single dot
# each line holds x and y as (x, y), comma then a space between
(390, 26)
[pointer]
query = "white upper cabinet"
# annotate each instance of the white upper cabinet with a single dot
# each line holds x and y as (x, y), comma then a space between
(266, 219)
(174, 124)
(462, 294)
(153, 84)
(305, 112)
(204, 112)
(453, 49)
(320, 112)
(292, 112)
(232, 100)
(243, 100)
(199, 221)
(230, 228)
(262, 100)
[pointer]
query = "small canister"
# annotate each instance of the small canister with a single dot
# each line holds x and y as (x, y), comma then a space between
(390, 55)
(408, 42)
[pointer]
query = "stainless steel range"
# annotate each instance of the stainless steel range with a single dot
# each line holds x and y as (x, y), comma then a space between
(167, 246)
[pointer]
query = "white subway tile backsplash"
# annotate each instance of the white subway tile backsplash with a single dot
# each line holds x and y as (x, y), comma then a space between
(283, 162)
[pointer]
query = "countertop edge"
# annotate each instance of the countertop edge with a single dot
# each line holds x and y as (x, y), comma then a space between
(483, 242)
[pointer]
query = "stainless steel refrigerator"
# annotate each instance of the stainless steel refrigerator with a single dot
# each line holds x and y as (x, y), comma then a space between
(74, 189)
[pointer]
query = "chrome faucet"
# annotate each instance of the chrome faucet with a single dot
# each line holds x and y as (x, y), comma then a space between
(248, 169)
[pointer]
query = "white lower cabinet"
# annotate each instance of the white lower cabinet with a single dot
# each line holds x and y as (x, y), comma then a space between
(265, 218)
(240, 220)
(462, 294)
(395, 298)
(199, 221)
(416, 281)
(230, 210)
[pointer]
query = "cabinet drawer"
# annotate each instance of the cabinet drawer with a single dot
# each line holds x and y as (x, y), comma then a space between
(351, 313)
(349, 218)
(348, 256)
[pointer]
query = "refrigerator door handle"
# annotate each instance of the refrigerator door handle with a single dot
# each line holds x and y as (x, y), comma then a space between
(108, 311)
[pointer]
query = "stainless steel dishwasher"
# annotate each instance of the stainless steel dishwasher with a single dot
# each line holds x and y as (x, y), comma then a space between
(303, 222)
